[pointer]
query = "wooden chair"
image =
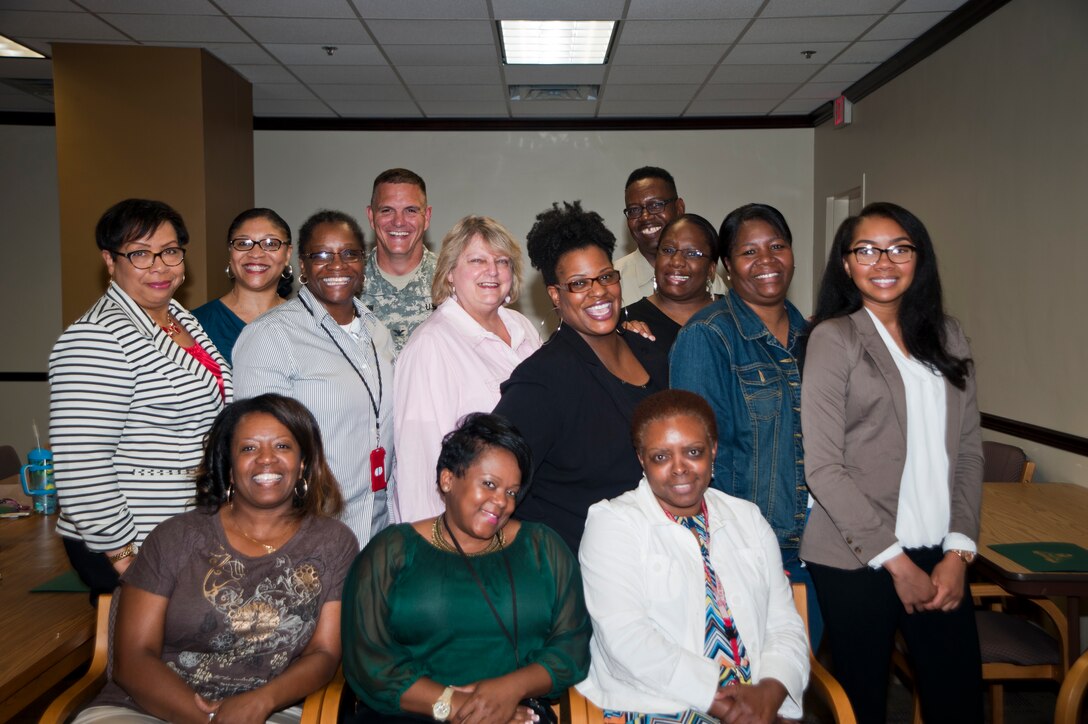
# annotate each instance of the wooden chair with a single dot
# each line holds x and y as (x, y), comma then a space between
(1005, 464)
(79, 694)
(1012, 647)
(822, 682)
(1071, 695)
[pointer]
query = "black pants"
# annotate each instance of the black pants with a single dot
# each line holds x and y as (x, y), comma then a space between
(93, 568)
(861, 615)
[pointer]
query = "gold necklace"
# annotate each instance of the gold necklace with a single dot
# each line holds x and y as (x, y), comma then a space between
(439, 542)
(251, 539)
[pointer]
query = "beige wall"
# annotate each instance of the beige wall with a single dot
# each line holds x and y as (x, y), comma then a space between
(987, 141)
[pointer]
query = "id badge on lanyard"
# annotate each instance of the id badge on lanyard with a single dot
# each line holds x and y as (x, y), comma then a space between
(377, 469)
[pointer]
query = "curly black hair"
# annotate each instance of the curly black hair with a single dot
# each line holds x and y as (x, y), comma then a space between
(559, 230)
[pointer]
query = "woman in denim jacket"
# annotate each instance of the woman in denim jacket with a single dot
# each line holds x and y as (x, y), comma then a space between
(740, 353)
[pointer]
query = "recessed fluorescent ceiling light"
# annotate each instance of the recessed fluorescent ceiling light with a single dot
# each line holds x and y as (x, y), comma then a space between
(556, 42)
(10, 49)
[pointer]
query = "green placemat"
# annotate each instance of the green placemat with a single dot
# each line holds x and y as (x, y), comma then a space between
(67, 582)
(1046, 557)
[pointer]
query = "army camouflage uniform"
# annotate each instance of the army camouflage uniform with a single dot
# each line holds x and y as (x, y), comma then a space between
(400, 311)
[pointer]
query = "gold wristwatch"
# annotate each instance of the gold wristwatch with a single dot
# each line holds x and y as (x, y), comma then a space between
(129, 550)
(966, 556)
(441, 708)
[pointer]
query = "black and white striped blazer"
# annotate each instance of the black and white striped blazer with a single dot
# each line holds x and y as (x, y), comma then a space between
(128, 413)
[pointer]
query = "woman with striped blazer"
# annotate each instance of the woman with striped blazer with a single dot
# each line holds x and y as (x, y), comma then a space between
(135, 385)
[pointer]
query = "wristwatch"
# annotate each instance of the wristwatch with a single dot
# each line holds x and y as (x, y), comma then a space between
(441, 708)
(966, 556)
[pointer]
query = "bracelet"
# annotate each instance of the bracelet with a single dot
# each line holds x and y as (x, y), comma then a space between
(966, 556)
(129, 550)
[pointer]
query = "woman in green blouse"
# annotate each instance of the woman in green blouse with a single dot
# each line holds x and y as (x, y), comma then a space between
(469, 615)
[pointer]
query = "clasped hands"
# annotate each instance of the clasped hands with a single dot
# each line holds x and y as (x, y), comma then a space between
(489, 702)
(755, 704)
(940, 591)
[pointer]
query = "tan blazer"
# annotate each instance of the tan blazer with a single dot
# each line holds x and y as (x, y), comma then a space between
(854, 421)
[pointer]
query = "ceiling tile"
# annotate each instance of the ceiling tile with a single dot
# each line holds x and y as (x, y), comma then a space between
(348, 92)
(763, 73)
(808, 8)
(448, 92)
(558, 9)
(555, 74)
(282, 92)
(18, 24)
(848, 72)
(874, 51)
(291, 108)
(465, 109)
(345, 74)
(787, 53)
(42, 5)
(668, 54)
(801, 106)
(27, 68)
(649, 32)
(642, 109)
(288, 8)
(442, 54)
(904, 25)
(265, 73)
(376, 109)
(819, 91)
(292, 54)
(925, 6)
(433, 74)
(634, 74)
(441, 32)
(747, 91)
(692, 9)
(24, 103)
(46, 48)
(152, 7)
(422, 9)
(319, 31)
(195, 28)
(808, 30)
(553, 109)
(731, 108)
(229, 53)
(649, 93)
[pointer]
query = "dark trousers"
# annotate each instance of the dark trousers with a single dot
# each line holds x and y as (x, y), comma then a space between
(861, 616)
(93, 568)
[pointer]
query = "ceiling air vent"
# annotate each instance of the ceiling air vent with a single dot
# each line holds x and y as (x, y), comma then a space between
(554, 92)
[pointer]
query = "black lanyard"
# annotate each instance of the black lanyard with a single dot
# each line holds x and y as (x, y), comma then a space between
(374, 404)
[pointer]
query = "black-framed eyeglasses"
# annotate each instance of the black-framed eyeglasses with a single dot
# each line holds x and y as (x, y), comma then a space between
(653, 207)
(869, 255)
(686, 253)
(579, 286)
(144, 259)
(243, 243)
(348, 256)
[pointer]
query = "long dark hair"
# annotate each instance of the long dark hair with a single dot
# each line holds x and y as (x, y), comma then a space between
(921, 310)
(322, 494)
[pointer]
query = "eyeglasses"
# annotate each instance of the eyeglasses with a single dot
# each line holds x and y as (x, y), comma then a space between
(654, 207)
(348, 256)
(144, 259)
(869, 255)
(578, 286)
(243, 243)
(686, 253)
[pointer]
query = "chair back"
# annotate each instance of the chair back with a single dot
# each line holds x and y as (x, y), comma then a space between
(1005, 463)
(821, 680)
(1071, 695)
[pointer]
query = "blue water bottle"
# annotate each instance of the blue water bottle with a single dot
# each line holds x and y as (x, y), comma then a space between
(37, 480)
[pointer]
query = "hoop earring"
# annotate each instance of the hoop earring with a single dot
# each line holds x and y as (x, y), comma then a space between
(302, 279)
(288, 272)
(655, 284)
(230, 492)
(305, 488)
(230, 274)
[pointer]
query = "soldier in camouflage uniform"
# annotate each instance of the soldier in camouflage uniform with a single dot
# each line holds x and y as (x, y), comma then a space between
(400, 268)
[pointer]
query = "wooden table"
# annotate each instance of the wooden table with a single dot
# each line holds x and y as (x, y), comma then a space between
(1018, 513)
(46, 636)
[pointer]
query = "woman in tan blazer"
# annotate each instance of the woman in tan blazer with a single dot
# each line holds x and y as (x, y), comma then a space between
(893, 457)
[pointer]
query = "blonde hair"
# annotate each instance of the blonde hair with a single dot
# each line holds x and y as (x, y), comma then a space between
(494, 234)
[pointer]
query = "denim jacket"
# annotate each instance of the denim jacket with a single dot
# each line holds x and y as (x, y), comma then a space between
(726, 354)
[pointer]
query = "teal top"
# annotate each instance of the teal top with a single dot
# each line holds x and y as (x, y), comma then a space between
(222, 325)
(411, 611)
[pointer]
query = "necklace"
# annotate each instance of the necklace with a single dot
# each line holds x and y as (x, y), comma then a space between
(234, 520)
(172, 329)
(496, 544)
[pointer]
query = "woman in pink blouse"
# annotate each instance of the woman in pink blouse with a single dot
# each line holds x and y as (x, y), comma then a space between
(455, 361)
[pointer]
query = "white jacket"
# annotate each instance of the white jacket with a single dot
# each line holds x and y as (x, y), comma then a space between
(645, 590)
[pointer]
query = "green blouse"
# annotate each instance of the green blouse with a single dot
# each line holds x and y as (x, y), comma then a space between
(412, 611)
